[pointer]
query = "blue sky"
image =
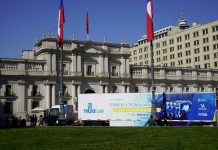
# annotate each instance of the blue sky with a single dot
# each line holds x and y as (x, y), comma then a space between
(22, 21)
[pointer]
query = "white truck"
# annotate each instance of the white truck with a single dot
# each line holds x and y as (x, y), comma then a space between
(134, 109)
(54, 113)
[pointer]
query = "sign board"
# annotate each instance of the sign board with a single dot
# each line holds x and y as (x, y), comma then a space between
(134, 109)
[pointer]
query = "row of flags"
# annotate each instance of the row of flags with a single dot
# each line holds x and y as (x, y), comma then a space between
(61, 20)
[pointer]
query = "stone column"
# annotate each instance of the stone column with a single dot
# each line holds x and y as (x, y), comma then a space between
(74, 64)
(145, 87)
(210, 88)
(123, 88)
(106, 64)
(179, 88)
(48, 63)
(53, 65)
(74, 90)
(122, 69)
(101, 89)
(194, 88)
(22, 103)
(106, 88)
(78, 90)
(127, 89)
(79, 63)
(163, 87)
(53, 95)
(101, 63)
(127, 67)
(47, 96)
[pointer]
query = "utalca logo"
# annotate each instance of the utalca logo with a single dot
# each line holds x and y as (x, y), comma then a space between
(90, 109)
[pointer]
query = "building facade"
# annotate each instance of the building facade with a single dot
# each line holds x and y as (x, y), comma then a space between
(88, 67)
(180, 46)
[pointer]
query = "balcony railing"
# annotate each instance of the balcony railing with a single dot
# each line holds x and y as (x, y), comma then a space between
(89, 73)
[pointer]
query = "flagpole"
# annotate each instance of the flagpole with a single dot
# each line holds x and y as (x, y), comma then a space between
(153, 108)
(61, 117)
(87, 36)
(61, 101)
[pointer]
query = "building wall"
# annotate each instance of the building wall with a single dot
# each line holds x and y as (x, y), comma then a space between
(200, 50)
(36, 82)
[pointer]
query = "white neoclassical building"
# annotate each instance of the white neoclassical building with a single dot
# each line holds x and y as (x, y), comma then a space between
(89, 67)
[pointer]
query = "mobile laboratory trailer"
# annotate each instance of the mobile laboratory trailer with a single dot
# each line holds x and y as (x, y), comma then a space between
(134, 109)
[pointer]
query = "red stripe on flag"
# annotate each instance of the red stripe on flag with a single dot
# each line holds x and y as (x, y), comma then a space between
(149, 18)
(61, 24)
(87, 23)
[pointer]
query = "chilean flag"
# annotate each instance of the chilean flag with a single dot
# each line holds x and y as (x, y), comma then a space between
(149, 18)
(87, 22)
(61, 21)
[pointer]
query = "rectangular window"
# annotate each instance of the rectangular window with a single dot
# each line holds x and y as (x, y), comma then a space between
(196, 42)
(114, 71)
(164, 51)
(172, 64)
(35, 104)
(8, 108)
(180, 62)
(197, 59)
(179, 47)
(195, 34)
(8, 91)
(35, 91)
(187, 37)
(171, 49)
(215, 46)
(145, 49)
(172, 56)
(215, 28)
(215, 55)
(158, 45)
(164, 58)
(171, 41)
(179, 39)
(89, 70)
(206, 57)
(187, 53)
(187, 45)
(197, 66)
(205, 31)
(197, 50)
(180, 54)
(205, 40)
(188, 61)
(215, 37)
(206, 48)
(171, 89)
(207, 65)
(164, 43)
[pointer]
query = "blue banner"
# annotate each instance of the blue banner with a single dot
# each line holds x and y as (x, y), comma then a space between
(190, 106)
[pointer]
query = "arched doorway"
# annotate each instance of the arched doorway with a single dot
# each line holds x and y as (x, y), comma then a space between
(88, 91)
